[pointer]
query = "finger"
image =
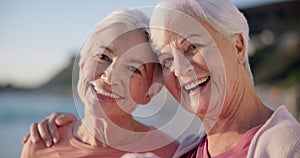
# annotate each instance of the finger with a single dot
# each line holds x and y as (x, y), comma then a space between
(44, 132)
(35, 137)
(25, 139)
(64, 119)
(53, 127)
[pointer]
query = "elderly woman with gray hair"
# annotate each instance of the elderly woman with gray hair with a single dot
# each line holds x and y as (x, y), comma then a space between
(202, 46)
(204, 55)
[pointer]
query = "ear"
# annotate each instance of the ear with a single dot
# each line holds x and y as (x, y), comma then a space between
(154, 89)
(240, 48)
(81, 65)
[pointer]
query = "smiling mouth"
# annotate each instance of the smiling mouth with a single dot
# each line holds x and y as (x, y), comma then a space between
(195, 85)
(105, 93)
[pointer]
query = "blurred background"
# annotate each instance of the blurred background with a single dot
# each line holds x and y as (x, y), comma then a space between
(40, 39)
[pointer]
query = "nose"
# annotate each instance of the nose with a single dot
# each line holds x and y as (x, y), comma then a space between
(108, 72)
(181, 66)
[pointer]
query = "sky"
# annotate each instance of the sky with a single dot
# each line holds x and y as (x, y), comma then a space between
(37, 38)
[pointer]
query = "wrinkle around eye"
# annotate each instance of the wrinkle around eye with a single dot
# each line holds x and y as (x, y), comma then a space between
(134, 69)
(194, 48)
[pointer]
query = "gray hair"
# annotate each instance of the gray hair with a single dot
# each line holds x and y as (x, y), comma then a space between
(222, 15)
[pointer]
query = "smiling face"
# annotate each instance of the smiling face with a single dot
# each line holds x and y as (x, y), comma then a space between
(184, 67)
(118, 71)
(200, 65)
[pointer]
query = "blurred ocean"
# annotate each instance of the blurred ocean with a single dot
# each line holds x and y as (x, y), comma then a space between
(18, 110)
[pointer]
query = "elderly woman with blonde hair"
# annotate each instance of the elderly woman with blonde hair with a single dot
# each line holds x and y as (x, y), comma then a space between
(114, 59)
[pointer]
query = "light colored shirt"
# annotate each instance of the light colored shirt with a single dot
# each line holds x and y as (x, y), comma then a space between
(278, 137)
(70, 147)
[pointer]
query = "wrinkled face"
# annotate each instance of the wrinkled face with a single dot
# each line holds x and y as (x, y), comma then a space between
(194, 57)
(117, 73)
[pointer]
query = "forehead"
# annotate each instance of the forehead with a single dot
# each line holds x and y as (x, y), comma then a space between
(184, 25)
(117, 37)
(178, 26)
(131, 45)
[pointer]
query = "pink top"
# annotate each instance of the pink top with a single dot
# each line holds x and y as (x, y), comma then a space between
(278, 137)
(240, 150)
(69, 146)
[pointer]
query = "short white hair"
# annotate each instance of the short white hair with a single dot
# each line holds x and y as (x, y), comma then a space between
(222, 15)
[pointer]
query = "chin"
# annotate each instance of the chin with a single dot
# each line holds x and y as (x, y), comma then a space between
(201, 113)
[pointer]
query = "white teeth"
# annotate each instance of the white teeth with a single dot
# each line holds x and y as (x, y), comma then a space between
(105, 93)
(194, 84)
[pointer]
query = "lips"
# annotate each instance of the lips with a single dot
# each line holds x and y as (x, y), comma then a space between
(105, 93)
(196, 84)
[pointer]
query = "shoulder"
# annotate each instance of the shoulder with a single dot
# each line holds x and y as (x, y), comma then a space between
(30, 148)
(154, 141)
(36, 150)
(280, 135)
(282, 124)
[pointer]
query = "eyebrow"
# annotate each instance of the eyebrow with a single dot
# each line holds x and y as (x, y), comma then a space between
(106, 49)
(186, 38)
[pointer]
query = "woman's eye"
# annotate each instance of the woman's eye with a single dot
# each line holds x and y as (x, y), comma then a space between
(167, 63)
(104, 57)
(194, 48)
(134, 69)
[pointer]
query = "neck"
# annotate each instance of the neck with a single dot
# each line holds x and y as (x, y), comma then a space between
(112, 131)
(243, 111)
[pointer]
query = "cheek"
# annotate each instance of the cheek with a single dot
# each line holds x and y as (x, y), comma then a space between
(172, 85)
(83, 80)
(138, 89)
(91, 70)
(88, 73)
